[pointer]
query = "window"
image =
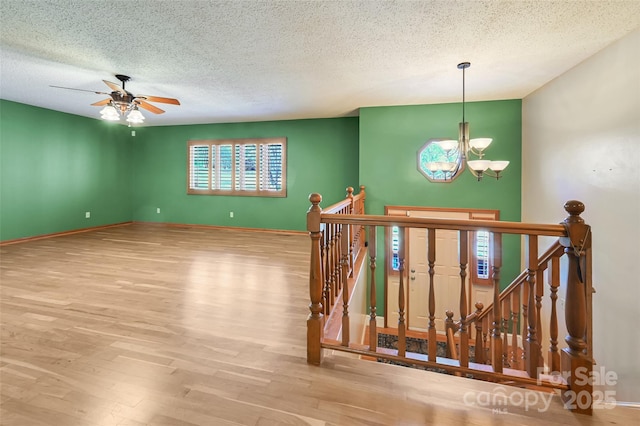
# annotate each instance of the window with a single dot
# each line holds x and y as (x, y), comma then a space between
(432, 159)
(481, 257)
(395, 249)
(252, 167)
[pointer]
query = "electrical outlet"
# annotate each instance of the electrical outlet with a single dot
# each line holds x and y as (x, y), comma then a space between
(158, 210)
(230, 214)
(87, 215)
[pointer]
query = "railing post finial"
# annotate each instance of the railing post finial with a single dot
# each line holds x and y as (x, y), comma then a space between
(349, 191)
(315, 199)
(574, 208)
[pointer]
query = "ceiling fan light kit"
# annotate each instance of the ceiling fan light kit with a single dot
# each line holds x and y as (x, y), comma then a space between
(122, 103)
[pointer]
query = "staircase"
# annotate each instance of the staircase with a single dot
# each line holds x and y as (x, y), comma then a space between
(513, 340)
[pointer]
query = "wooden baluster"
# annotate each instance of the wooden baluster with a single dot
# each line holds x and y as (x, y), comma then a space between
(554, 276)
(360, 210)
(342, 233)
(463, 253)
(480, 358)
(515, 316)
(328, 228)
(450, 331)
(402, 342)
(373, 328)
(539, 296)
(315, 320)
(506, 314)
(351, 229)
(485, 342)
(336, 259)
(326, 293)
(524, 319)
(431, 258)
(344, 249)
(574, 358)
(531, 348)
(496, 341)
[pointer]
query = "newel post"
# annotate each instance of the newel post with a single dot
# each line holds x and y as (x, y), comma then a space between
(315, 320)
(574, 362)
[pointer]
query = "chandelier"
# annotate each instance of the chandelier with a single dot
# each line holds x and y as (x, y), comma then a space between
(461, 151)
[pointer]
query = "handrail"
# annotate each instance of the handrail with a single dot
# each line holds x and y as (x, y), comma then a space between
(334, 208)
(554, 250)
(348, 201)
(450, 224)
(471, 318)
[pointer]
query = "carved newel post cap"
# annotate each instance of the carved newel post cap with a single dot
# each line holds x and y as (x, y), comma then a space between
(479, 306)
(315, 198)
(574, 208)
(349, 191)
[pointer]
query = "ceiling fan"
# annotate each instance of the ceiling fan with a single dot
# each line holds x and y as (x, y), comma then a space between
(121, 102)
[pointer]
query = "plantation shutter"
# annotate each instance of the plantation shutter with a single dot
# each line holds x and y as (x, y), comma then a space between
(271, 167)
(226, 167)
(199, 160)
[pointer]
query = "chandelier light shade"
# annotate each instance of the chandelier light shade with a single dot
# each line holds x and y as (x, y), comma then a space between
(135, 116)
(447, 158)
(109, 113)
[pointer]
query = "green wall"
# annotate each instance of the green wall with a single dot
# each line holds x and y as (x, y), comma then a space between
(390, 138)
(322, 156)
(54, 167)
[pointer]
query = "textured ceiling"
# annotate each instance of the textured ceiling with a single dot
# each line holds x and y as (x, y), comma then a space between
(231, 61)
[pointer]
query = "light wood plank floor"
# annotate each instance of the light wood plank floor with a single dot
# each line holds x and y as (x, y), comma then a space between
(151, 325)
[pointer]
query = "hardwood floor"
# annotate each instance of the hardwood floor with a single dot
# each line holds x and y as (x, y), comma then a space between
(153, 325)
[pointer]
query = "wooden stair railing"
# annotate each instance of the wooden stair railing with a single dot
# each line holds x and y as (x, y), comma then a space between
(509, 317)
(338, 244)
(338, 230)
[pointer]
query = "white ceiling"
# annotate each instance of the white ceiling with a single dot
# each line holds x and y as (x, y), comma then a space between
(250, 60)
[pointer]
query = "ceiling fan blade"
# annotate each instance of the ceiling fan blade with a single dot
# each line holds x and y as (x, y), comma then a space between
(114, 87)
(154, 109)
(160, 99)
(81, 90)
(102, 102)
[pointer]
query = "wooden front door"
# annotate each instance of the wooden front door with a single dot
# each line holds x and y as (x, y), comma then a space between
(447, 270)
